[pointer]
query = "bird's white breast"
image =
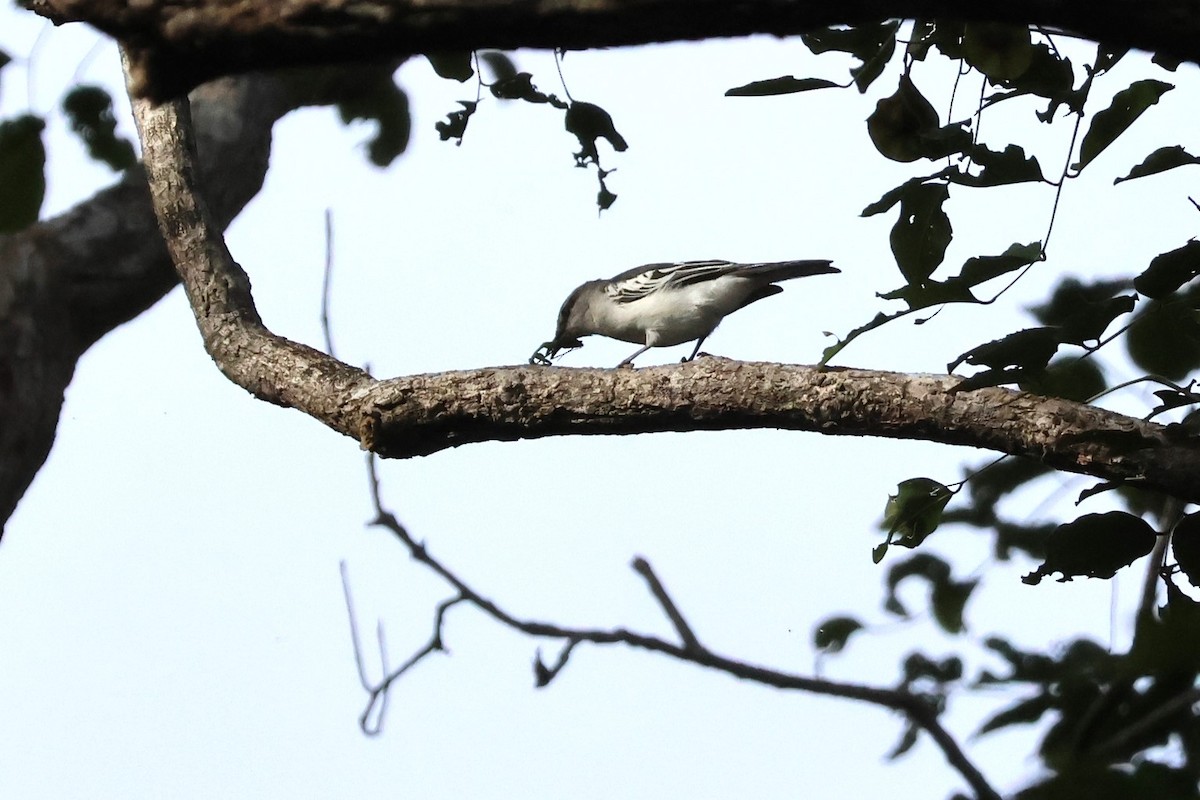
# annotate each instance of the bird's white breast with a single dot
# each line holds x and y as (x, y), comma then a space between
(675, 315)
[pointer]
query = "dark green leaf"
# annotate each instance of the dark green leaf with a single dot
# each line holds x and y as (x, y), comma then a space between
(1008, 166)
(1031, 348)
(1185, 546)
(1078, 379)
(861, 41)
(920, 667)
(589, 122)
(980, 269)
(872, 67)
(1108, 55)
(377, 98)
(1095, 546)
(499, 63)
(1161, 160)
(948, 600)
(945, 35)
(899, 122)
(922, 233)
(1169, 63)
(1165, 643)
(1023, 713)
(832, 634)
(22, 176)
(892, 196)
(89, 112)
(1169, 271)
(1084, 311)
(785, 84)
(921, 565)
(1001, 51)
(907, 740)
(1047, 75)
(915, 510)
(1165, 338)
(520, 87)
(1128, 104)
(455, 66)
(455, 124)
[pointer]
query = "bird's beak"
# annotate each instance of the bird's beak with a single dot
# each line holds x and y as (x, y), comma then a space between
(548, 351)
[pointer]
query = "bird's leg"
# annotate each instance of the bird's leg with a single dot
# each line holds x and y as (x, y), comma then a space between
(628, 363)
(699, 342)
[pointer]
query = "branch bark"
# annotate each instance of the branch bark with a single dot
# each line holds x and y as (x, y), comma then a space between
(422, 414)
(67, 281)
(174, 47)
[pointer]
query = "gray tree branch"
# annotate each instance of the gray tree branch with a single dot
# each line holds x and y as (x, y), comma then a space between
(422, 414)
(67, 281)
(175, 46)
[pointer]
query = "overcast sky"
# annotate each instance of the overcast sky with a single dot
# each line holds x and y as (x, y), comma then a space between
(171, 614)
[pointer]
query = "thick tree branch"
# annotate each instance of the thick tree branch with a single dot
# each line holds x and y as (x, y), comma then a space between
(176, 46)
(422, 414)
(67, 281)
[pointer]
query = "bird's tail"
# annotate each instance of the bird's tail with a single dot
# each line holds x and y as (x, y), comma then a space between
(775, 271)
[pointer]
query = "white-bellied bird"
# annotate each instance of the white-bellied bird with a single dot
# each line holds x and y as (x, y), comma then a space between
(661, 305)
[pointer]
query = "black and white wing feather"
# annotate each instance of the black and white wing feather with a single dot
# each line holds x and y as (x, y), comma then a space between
(639, 282)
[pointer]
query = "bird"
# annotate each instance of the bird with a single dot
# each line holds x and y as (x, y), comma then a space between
(665, 304)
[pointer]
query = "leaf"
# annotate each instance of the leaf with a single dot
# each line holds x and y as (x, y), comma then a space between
(948, 600)
(380, 100)
(1128, 104)
(453, 65)
(980, 269)
(915, 510)
(1002, 52)
(499, 63)
(520, 87)
(898, 122)
(22, 176)
(1008, 166)
(906, 742)
(589, 122)
(1169, 271)
(922, 232)
(860, 41)
(1031, 348)
(1185, 546)
(455, 124)
(785, 84)
(872, 67)
(1161, 160)
(945, 35)
(89, 112)
(1024, 712)
(1078, 379)
(832, 634)
(1095, 546)
(922, 565)
(1083, 312)
(1164, 338)
(1166, 642)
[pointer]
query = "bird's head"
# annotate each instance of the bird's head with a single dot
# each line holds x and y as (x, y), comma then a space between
(572, 323)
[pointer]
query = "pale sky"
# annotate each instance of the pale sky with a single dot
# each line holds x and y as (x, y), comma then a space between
(170, 606)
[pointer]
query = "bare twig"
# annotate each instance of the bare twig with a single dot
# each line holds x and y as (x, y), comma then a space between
(690, 642)
(326, 282)
(691, 651)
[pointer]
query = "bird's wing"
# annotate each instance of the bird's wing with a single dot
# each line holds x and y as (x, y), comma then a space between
(638, 282)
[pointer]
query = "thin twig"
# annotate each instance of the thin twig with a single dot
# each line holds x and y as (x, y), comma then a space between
(326, 328)
(642, 567)
(913, 706)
